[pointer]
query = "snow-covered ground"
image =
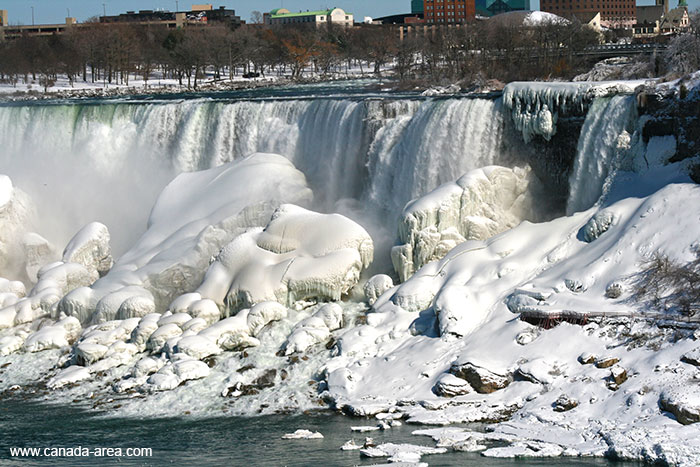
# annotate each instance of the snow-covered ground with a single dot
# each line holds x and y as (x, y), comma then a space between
(239, 298)
(158, 83)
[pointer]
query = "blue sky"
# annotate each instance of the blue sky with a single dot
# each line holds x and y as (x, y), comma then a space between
(55, 11)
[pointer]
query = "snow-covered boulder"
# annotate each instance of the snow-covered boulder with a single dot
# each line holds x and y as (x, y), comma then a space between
(477, 206)
(38, 251)
(483, 380)
(315, 329)
(376, 286)
(90, 247)
(599, 224)
(263, 314)
(448, 385)
(683, 402)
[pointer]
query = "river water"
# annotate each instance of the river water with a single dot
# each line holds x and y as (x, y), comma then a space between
(229, 441)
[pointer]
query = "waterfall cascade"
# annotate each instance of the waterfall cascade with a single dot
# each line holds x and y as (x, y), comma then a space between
(108, 162)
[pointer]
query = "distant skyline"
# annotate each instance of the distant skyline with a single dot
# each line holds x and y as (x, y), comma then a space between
(55, 11)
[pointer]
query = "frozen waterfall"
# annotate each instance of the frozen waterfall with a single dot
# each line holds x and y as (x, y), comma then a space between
(599, 148)
(107, 162)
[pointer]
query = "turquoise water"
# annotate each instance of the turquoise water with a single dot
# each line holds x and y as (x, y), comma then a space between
(229, 441)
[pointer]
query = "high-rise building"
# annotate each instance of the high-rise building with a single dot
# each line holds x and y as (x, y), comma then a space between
(614, 14)
(448, 11)
(417, 7)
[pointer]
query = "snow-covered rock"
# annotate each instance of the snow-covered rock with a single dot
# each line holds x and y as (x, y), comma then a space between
(448, 385)
(483, 381)
(376, 286)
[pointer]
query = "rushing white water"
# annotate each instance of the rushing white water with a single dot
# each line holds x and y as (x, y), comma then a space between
(598, 149)
(107, 162)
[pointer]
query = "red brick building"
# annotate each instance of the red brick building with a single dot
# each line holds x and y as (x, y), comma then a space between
(448, 11)
(615, 14)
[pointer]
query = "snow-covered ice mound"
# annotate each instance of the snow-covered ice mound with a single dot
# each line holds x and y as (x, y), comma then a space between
(300, 255)
(477, 206)
(17, 214)
(195, 216)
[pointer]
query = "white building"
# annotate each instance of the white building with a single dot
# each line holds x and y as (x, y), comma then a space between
(336, 16)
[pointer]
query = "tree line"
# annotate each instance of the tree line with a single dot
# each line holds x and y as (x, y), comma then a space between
(113, 54)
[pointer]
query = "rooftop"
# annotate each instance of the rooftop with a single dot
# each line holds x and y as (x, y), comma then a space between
(277, 14)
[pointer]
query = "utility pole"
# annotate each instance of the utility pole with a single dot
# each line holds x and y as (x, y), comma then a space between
(32, 16)
(177, 6)
(104, 9)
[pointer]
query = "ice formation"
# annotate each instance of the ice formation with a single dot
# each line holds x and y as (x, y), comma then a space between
(194, 217)
(477, 206)
(535, 107)
(299, 255)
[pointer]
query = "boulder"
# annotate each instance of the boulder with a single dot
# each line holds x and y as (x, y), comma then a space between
(481, 379)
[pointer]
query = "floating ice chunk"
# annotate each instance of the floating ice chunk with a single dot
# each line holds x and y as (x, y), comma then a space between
(303, 434)
(526, 449)
(364, 429)
(350, 446)
(90, 247)
(400, 452)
